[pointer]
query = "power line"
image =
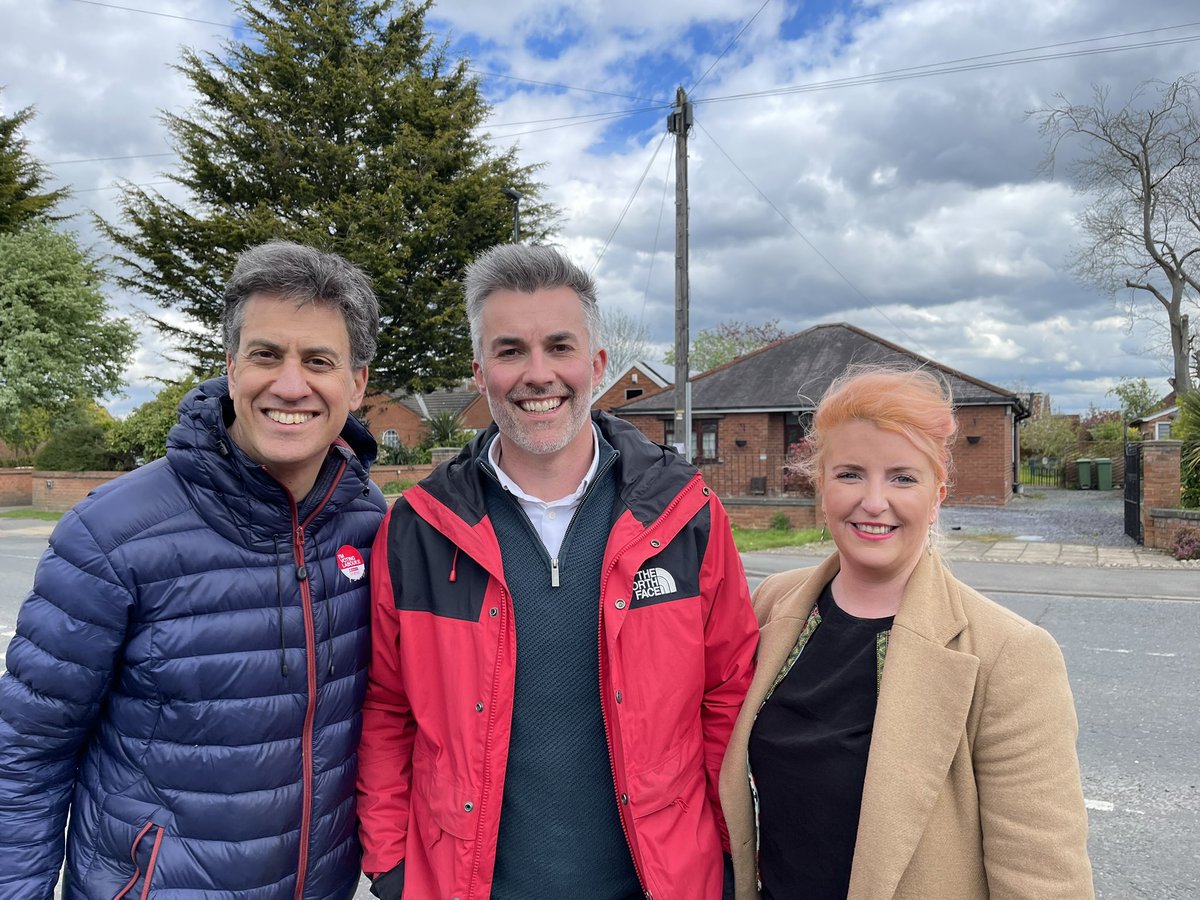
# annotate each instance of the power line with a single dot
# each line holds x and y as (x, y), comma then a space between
(968, 64)
(657, 228)
(588, 116)
(628, 203)
(825, 259)
(599, 117)
(71, 162)
(151, 12)
(118, 187)
(728, 47)
(565, 87)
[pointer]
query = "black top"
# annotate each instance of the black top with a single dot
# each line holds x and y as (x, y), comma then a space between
(808, 754)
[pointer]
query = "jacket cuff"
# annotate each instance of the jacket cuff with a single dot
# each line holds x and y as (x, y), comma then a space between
(389, 885)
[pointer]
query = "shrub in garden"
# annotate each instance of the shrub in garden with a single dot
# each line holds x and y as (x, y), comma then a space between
(1187, 543)
(780, 522)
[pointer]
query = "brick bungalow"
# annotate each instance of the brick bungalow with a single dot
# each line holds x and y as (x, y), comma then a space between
(747, 413)
(400, 418)
(639, 380)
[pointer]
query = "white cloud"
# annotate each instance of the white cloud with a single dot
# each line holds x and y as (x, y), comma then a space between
(922, 193)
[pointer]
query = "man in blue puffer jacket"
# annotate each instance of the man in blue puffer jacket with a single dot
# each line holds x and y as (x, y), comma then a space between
(188, 670)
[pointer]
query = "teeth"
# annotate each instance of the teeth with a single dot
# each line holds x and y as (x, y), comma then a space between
(540, 405)
(875, 529)
(287, 418)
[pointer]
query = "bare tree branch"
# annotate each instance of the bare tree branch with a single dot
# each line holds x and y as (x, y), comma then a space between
(1141, 167)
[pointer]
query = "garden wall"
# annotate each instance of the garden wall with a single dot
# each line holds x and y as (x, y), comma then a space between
(16, 487)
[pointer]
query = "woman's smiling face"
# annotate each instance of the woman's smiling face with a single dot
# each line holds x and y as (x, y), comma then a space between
(879, 494)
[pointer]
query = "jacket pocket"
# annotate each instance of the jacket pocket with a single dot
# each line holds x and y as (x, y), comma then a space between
(674, 781)
(153, 833)
(443, 825)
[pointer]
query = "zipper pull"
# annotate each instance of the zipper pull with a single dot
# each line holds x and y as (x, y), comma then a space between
(554, 572)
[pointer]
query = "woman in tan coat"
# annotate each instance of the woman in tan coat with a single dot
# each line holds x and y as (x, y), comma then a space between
(904, 736)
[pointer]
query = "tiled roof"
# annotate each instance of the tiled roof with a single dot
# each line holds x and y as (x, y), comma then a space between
(793, 374)
(426, 405)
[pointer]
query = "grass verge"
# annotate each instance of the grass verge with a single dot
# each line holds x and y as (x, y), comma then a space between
(39, 514)
(750, 539)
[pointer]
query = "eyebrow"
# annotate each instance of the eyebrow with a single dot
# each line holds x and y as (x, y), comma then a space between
(558, 337)
(318, 350)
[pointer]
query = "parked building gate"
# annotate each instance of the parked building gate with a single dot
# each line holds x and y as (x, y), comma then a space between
(1133, 490)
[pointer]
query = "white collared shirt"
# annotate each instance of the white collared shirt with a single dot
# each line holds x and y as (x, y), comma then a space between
(550, 520)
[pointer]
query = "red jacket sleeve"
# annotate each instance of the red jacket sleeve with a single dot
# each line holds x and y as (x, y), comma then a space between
(385, 749)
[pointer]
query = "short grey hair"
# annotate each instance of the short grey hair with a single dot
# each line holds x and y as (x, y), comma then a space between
(304, 275)
(526, 268)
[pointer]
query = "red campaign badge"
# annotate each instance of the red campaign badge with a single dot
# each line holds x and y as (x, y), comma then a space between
(351, 563)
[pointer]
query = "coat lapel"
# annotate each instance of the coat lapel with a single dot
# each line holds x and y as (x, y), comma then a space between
(919, 723)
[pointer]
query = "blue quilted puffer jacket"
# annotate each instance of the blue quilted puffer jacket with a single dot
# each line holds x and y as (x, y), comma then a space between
(186, 679)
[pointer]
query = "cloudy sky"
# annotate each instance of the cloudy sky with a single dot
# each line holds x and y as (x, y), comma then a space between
(865, 162)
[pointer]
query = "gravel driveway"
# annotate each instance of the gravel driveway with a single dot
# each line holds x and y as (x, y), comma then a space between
(1047, 514)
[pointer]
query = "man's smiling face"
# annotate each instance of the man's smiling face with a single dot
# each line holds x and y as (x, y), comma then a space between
(538, 370)
(292, 386)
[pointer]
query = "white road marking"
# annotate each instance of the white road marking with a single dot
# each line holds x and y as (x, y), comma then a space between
(1107, 650)
(1150, 653)
(1100, 805)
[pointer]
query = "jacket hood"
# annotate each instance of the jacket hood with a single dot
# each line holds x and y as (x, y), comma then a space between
(237, 496)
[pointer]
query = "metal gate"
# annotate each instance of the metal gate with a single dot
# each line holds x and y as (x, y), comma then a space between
(1133, 490)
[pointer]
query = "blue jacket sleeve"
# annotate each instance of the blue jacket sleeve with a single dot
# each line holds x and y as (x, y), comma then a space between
(70, 634)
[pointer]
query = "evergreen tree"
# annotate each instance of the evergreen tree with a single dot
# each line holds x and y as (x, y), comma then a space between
(342, 124)
(23, 198)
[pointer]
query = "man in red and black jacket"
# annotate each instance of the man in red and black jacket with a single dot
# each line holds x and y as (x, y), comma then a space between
(561, 635)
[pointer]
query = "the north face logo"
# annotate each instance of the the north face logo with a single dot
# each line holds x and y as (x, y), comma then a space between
(653, 583)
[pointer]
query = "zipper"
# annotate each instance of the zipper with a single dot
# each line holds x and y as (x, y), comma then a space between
(608, 741)
(553, 561)
(137, 869)
(487, 745)
(310, 665)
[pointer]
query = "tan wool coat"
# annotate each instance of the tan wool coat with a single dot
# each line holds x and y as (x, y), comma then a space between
(972, 787)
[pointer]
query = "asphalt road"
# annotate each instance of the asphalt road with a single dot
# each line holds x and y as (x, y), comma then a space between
(1130, 640)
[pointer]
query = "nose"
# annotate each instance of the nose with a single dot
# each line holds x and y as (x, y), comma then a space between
(874, 499)
(291, 383)
(539, 371)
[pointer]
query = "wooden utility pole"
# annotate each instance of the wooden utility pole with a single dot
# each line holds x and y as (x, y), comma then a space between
(678, 124)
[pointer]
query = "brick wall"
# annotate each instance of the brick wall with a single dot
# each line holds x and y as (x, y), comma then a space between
(16, 487)
(982, 473)
(1166, 525)
(59, 491)
(634, 379)
(747, 512)
(386, 413)
(1161, 491)
(381, 475)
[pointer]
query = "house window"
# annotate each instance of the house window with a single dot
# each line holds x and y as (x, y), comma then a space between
(795, 426)
(1162, 431)
(390, 438)
(705, 433)
(630, 393)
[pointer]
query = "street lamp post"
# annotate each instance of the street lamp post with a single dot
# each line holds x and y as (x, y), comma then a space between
(515, 196)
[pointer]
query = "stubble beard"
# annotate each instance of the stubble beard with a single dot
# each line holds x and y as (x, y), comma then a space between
(533, 437)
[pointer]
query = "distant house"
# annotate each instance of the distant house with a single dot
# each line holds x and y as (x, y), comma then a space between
(748, 414)
(400, 418)
(1156, 426)
(639, 380)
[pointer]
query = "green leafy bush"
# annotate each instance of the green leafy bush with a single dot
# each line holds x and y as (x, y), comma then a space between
(780, 522)
(1187, 429)
(81, 448)
(397, 486)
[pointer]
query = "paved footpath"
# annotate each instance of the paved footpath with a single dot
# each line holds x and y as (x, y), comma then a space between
(1018, 551)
